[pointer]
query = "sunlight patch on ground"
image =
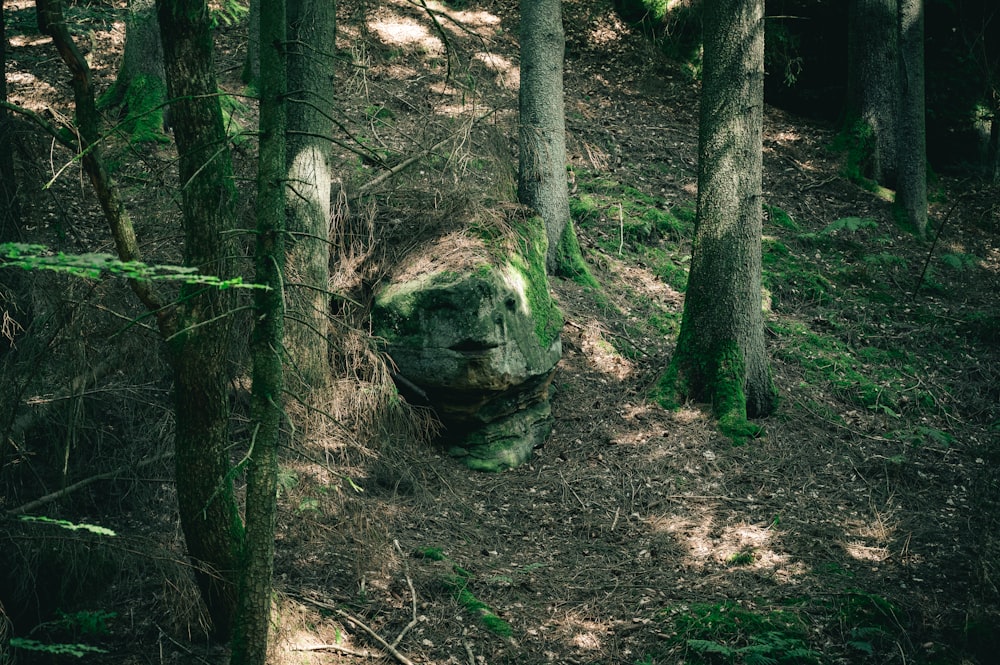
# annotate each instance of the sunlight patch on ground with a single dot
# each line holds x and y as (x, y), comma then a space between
(739, 546)
(583, 634)
(405, 32)
(469, 18)
(507, 73)
(602, 355)
(863, 552)
(608, 29)
(20, 41)
(28, 90)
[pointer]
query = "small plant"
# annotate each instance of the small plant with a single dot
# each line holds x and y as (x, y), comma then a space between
(729, 633)
(849, 224)
(779, 217)
(744, 558)
(960, 262)
(86, 622)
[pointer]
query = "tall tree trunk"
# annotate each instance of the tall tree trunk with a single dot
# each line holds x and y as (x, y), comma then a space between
(251, 66)
(541, 182)
(208, 508)
(254, 607)
(140, 89)
(911, 191)
(10, 208)
(720, 355)
(873, 84)
(312, 31)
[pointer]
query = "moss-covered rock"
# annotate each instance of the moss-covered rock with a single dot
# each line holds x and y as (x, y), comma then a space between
(481, 343)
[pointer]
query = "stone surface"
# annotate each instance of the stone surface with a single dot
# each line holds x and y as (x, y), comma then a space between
(482, 343)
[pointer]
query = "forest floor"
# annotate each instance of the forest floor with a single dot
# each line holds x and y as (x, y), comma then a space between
(861, 528)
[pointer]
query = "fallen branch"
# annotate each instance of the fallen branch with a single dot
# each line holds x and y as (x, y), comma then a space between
(413, 599)
(49, 498)
(339, 649)
(391, 650)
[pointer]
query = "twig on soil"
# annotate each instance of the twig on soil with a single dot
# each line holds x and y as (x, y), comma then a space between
(468, 652)
(570, 488)
(413, 598)
(179, 645)
(339, 649)
(360, 624)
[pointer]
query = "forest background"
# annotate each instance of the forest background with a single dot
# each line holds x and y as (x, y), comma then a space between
(857, 530)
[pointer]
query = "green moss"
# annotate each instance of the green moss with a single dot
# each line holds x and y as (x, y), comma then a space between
(780, 218)
(719, 378)
(878, 379)
(529, 261)
(459, 586)
(144, 101)
(569, 260)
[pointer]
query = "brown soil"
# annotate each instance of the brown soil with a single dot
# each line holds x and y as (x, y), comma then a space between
(630, 517)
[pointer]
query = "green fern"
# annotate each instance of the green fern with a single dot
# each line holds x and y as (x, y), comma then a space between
(849, 224)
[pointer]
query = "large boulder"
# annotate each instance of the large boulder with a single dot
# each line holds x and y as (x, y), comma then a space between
(480, 341)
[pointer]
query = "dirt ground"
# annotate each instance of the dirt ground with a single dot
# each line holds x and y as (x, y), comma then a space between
(630, 520)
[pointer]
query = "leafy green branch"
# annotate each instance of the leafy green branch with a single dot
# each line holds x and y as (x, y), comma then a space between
(97, 265)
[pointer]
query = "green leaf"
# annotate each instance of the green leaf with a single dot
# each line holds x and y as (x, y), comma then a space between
(99, 530)
(96, 266)
(78, 650)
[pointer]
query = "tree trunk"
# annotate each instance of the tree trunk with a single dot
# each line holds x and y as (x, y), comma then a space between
(208, 508)
(10, 208)
(254, 607)
(911, 191)
(140, 89)
(720, 355)
(312, 31)
(251, 66)
(873, 84)
(541, 183)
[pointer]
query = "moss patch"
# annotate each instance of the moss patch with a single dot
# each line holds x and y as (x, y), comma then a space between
(569, 259)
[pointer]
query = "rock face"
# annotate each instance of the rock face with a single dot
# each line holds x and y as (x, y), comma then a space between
(482, 343)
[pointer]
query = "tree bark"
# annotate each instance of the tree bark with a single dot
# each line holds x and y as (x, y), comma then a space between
(257, 564)
(541, 183)
(873, 84)
(208, 508)
(251, 66)
(140, 88)
(312, 31)
(911, 191)
(720, 355)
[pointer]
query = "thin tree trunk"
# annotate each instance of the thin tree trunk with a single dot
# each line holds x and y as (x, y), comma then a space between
(208, 508)
(873, 84)
(541, 183)
(140, 88)
(254, 607)
(911, 192)
(312, 31)
(720, 354)
(251, 66)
